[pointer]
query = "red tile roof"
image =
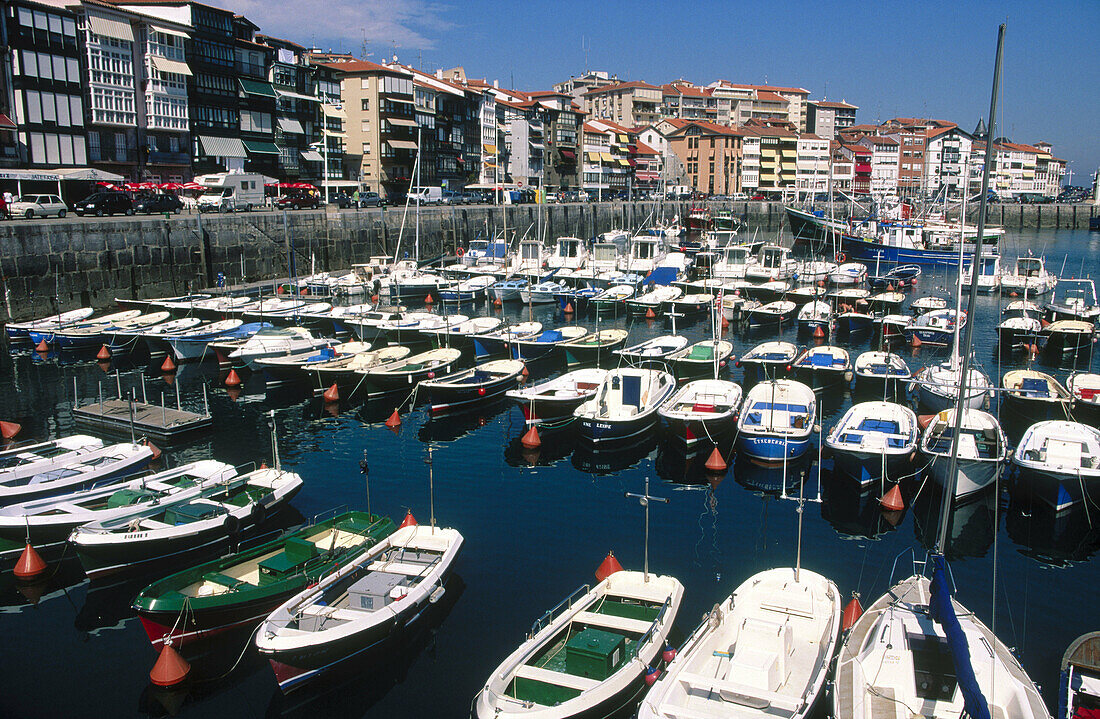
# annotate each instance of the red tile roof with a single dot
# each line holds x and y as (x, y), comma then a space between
(643, 149)
(361, 66)
(768, 96)
(622, 86)
(834, 105)
(768, 88)
(879, 140)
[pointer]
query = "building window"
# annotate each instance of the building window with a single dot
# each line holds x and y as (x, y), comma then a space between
(366, 148)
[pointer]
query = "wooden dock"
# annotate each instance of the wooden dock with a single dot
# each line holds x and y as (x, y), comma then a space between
(156, 422)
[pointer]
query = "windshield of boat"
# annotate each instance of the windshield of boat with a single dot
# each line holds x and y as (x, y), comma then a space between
(568, 248)
(604, 253)
(1029, 266)
(1081, 292)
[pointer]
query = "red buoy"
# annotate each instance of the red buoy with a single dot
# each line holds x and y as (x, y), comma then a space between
(915, 342)
(568, 308)
(819, 333)
(892, 501)
(853, 610)
(925, 419)
(497, 302)
(530, 439)
(523, 372)
(170, 669)
(232, 380)
(409, 520)
(168, 366)
(428, 300)
(715, 462)
(889, 286)
(1044, 323)
(651, 676)
(8, 430)
(725, 322)
(650, 314)
(332, 394)
(374, 298)
(394, 421)
(153, 448)
(608, 566)
(1013, 294)
(304, 291)
(30, 564)
(42, 346)
(481, 391)
(280, 290)
(668, 654)
(104, 353)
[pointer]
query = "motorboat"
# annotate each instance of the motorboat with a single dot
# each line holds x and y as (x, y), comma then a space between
(594, 347)
(476, 385)
(768, 360)
(644, 255)
(65, 465)
(540, 345)
(241, 589)
(625, 406)
(775, 264)
(1079, 685)
(507, 290)
(989, 274)
(703, 409)
(1084, 387)
(848, 274)
(874, 441)
(499, 341)
(409, 327)
(982, 450)
(382, 590)
(570, 253)
(408, 371)
(653, 300)
(1059, 461)
(928, 303)
(883, 371)
(541, 293)
(350, 368)
(1068, 336)
(824, 365)
(1035, 395)
(1022, 308)
(471, 289)
(587, 656)
(655, 349)
(936, 327)
(772, 315)
(555, 399)
(701, 359)
(1029, 277)
(1019, 332)
(276, 341)
(814, 317)
(777, 421)
(1074, 299)
(765, 651)
(463, 333)
(148, 535)
(733, 262)
(938, 386)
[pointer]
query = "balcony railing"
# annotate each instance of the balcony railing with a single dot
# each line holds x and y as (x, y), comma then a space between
(252, 69)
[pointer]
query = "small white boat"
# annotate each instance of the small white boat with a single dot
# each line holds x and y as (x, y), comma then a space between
(541, 293)
(654, 349)
(625, 406)
(824, 365)
(653, 300)
(1019, 332)
(773, 315)
(555, 399)
(982, 449)
(468, 290)
(1059, 461)
(769, 359)
(1029, 277)
(874, 441)
(1022, 308)
(462, 333)
(1035, 395)
(892, 327)
(1079, 686)
(704, 409)
(499, 341)
(775, 264)
(385, 588)
(814, 316)
(1085, 389)
(938, 386)
(587, 656)
(849, 273)
(272, 342)
(881, 369)
(1069, 336)
(1074, 299)
(777, 421)
(409, 328)
(765, 651)
(928, 303)
(569, 253)
(611, 298)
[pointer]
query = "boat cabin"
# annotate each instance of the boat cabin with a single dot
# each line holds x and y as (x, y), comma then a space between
(773, 256)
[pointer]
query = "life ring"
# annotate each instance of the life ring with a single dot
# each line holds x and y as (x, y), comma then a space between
(841, 257)
(460, 252)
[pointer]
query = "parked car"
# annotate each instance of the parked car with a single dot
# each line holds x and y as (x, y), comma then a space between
(739, 197)
(451, 198)
(155, 204)
(759, 196)
(426, 195)
(371, 199)
(105, 203)
(31, 206)
(550, 197)
(298, 201)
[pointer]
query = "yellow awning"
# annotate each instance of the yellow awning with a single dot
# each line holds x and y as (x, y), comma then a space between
(788, 153)
(606, 157)
(623, 162)
(490, 149)
(789, 167)
(334, 111)
(593, 157)
(624, 138)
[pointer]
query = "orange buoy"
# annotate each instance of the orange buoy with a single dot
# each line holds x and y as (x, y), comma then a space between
(915, 342)
(497, 302)
(30, 564)
(568, 308)
(104, 353)
(853, 610)
(1044, 323)
(409, 520)
(1013, 294)
(304, 291)
(170, 669)
(925, 419)
(889, 286)
(394, 421)
(8, 430)
(332, 394)
(819, 333)
(42, 346)
(650, 314)
(232, 380)
(725, 322)
(716, 462)
(153, 448)
(892, 501)
(523, 372)
(374, 298)
(280, 290)
(428, 300)
(168, 366)
(530, 438)
(608, 566)
(1033, 349)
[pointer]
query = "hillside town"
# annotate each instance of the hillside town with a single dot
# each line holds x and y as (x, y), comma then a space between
(163, 91)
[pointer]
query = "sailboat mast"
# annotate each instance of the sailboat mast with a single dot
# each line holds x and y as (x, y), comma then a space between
(953, 468)
(419, 200)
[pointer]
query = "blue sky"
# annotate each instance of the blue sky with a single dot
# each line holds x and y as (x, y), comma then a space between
(920, 59)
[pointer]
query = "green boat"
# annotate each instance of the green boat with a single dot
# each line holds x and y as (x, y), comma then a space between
(243, 588)
(726, 220)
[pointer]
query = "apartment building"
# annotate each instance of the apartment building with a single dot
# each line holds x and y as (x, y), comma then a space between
(826, 118)
(562, 124)
(576, 87)
(447, 114)
(381, 127)
(648, 169)
(885, 160)
(606, 168)
(842, 168)
(258, 99)
(763, 102)
(681, 99)
(946, 160)
(778, 155)
(1050, 171)
(45, 87)
(711, 154)
(812, 162)
(633, 104)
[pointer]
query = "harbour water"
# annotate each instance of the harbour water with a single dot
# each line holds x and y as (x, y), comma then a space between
(536, 526)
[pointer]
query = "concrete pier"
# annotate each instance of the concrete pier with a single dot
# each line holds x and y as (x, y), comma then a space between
(90, 262)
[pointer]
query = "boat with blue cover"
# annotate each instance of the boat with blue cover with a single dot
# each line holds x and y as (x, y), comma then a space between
(19, 332)
(295, 366)
(874, 442)
(190, 344)
(824, 365)
(936, 327)
(768, 360)
(777, 421)
(883, 372)
(80, 335)
(541, 345)
(499, 341)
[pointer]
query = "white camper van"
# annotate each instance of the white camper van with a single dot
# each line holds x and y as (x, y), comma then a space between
(426, 195)
(231, 192)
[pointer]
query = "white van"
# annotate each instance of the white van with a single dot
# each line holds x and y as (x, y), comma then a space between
(426, 195)
(231, 192)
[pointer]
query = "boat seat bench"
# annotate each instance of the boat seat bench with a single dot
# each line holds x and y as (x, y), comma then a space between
(738, 693)
(223, 580)
(561, 679)
(411, 570)
(611, 621)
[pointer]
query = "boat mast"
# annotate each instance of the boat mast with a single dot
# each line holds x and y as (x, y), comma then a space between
(949, 492)
(644, 499)
(419, 200)
(958, 286)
